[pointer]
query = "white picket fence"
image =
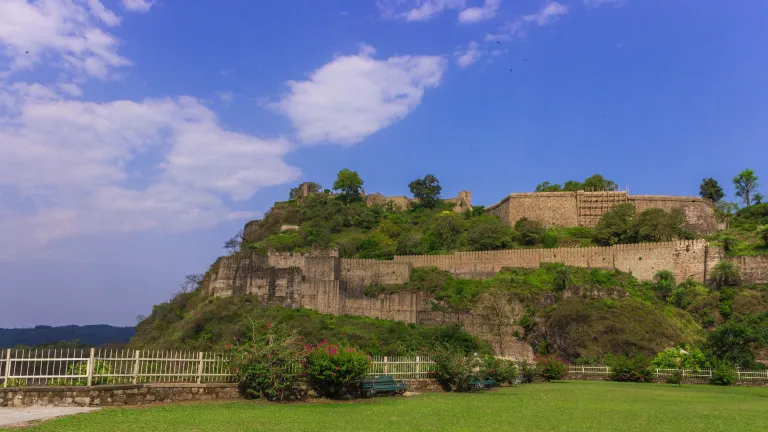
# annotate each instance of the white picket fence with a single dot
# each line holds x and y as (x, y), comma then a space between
(50, 367)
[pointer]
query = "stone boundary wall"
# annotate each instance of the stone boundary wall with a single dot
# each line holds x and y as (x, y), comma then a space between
(686, 258)
(115, 395)
(359, 273)
(754, 269)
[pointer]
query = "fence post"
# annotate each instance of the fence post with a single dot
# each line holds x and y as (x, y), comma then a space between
(90, 367)
(200, 367)
(386, 366)
(418, 367)
(137, 356)
(738, 374)
(7, 367)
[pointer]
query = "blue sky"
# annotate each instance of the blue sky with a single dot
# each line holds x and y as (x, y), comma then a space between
(136, 136)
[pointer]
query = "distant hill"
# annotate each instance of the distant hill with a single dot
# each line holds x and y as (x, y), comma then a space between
(92, 335)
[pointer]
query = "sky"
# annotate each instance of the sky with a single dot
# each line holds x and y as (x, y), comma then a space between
(136, 136)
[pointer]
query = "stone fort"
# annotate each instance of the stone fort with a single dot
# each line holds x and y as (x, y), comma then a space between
(324, 282)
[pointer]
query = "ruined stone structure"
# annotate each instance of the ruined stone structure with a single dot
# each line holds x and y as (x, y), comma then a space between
(586, 208)
(322, 281)
(463, 200)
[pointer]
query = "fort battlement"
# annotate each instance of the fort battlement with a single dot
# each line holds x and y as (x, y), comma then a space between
(586, 208)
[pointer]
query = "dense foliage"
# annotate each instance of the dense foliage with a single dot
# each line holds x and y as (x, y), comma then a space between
(334, 370)
(269, 362)
(629, 369)
(454, 366)
(595, 183)
(551, 368)
(192, 321)
(681, 358)
(622, 224)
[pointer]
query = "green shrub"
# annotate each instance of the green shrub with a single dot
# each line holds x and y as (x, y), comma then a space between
(551, 368)
(681, 358)
(334, 370)
(725, 274)
(502, 371)
(762, 232)
(675, 377)
(530, 232)
(626, 369)
(454, 367)
(528, 371)
(270, 362)
(724, 374)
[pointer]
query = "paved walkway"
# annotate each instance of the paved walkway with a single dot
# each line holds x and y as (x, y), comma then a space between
(12, 416)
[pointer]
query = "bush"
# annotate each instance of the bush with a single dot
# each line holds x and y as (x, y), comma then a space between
(616, 225)
(528, 371)
(725, 274)
(270, 362)
(454, 367)
(626, 369)
(680, 358)
(551, 368)
(530, 232)
(334, 370)
(502, 371)
(676, 377)
(724, 374)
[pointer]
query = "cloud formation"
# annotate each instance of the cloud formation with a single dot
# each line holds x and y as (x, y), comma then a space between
(476, 14)
(517, 28)
(137, 5)
(598, 3)
(354, 96)
(417, 10)
(65, 30)
(72, 162)
(469, 55)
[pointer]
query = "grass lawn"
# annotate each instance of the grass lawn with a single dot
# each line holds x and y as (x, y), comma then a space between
(562, 406)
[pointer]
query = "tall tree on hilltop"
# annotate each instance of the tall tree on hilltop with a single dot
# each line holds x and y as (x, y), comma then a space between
(548, 187)
(758, 197)
(233, 244)
(348, 183)
(427, 190)
(711, 190)
(599, 183)
(745, 183)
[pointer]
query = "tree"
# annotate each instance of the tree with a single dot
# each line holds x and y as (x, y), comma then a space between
(426, 190)
(191, 282)
(758, 198)
(724, 210)
(348, 183)
(745, 183)
(499, 312)
(711, 190)
(233, 244)
(599, 183)
(488, 233)
(573, 186)
(616, 225)
(664, 283)
(531, 232)
(657, 225)
(548, 187)
(725, 274)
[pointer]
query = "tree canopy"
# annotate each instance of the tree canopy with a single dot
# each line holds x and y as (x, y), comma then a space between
(427, 190)
(746, 185)
(348, 183)
(711, 190)
(594, 183)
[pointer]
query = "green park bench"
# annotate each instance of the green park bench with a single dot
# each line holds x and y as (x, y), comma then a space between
(476, 383)
(382, 384)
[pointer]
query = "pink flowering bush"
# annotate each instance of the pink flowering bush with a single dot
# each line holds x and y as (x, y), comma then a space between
(334, 370)
(269, 363)
(552, 368)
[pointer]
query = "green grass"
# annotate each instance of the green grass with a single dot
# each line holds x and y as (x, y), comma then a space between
(562, 406)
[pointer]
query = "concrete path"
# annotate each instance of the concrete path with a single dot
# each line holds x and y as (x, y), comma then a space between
(13, 416)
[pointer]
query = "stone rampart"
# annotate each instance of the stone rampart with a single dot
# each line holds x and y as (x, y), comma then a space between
(359, 273)
(754, 269)
(586, 208)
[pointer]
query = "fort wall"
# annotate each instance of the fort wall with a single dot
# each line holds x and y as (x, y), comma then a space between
(754, 269)
(359, 273)
(586, 208)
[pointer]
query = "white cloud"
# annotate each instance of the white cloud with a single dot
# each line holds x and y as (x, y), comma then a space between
(138, 5)
(66, 30)
(70, 88)
(417, 10)
(355, 96)
(517, 28)
(73, 164)
(105, 15)
(226, 96)
(476, 14)
(467, 56)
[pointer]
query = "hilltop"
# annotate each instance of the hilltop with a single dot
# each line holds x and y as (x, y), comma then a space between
(624, 278)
